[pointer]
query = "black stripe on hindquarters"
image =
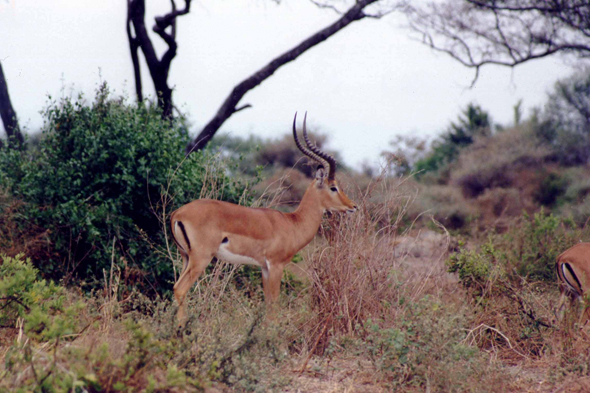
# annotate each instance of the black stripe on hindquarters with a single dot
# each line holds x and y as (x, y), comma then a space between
(181, 225)
(569, 268)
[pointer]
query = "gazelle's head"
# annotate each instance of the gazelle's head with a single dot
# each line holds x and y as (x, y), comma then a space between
(331, 197)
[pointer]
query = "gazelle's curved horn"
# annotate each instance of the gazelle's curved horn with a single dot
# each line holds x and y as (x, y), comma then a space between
(304, 149)
(316, 150)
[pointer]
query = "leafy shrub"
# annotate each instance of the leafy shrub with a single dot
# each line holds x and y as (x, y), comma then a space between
(551, 188)
(481, 270)
(23, 295)
(40, 305)
(472, 123)
(427, 349)
(534, 244)
(528, 250)
(511, 277)
(103, 179)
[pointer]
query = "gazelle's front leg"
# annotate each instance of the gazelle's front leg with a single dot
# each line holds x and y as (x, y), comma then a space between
(271, 284)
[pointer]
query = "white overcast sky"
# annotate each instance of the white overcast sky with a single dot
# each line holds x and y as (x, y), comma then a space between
(363, 86)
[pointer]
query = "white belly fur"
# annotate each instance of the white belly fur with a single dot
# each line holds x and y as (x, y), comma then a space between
(225, 255)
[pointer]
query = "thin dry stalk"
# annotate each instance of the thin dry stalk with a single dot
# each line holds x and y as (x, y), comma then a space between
(111, 292)
(356, 276)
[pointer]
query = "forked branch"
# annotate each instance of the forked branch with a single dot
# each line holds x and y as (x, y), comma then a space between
(139, 38)
(506, 33)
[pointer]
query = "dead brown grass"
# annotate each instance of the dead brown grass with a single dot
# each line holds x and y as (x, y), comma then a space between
(18, 236)
(375, 311)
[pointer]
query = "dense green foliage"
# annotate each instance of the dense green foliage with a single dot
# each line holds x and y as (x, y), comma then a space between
(102, 180)
(473, 122)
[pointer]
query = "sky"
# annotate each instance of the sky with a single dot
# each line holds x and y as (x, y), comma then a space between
(363, 86)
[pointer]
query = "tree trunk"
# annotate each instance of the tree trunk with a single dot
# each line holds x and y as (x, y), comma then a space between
(7, 113)
(159, 68)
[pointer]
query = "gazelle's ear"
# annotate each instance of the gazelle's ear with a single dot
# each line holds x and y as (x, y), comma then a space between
(320, 175)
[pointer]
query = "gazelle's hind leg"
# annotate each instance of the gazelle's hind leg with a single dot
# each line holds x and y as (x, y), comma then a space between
(560, 310)
(196, 263)
(585, 317)
(184, 256)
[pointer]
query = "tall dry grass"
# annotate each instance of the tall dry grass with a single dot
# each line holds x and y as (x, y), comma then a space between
(359, 269)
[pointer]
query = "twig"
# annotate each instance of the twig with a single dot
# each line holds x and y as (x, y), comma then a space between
(317, 341)
(13, 299)
(484, 326)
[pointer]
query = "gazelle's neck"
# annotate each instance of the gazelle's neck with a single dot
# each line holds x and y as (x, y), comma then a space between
(307, 218)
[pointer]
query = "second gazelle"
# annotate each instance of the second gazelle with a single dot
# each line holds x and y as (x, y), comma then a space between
(268, 238)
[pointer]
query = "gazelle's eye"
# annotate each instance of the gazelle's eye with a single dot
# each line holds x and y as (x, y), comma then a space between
(334, 189)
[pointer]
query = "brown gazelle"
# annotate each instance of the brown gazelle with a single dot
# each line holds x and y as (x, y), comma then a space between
(268, 238)
(573, 271)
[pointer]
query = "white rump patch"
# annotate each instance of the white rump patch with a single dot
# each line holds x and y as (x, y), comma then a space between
(227, 256)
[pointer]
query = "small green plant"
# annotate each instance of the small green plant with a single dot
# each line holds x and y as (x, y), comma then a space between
(480, 270)
(36, 308)
(23, 295)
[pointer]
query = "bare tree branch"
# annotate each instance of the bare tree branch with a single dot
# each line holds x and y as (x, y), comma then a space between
(503, 32)
(228, 108)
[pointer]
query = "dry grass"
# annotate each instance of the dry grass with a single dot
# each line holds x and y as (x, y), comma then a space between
(356, 274)
(373, 309)
(17, 236)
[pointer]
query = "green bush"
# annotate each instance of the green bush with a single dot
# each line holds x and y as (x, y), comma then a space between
(552, 187)
(472, 123)
(534, 245)
(527, 250)
(23, 295)
(46, 356)
(481, 270)
(104, 171)
(426, 349)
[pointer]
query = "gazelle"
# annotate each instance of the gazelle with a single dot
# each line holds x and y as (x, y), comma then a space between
(268, 238)
(573, 272)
